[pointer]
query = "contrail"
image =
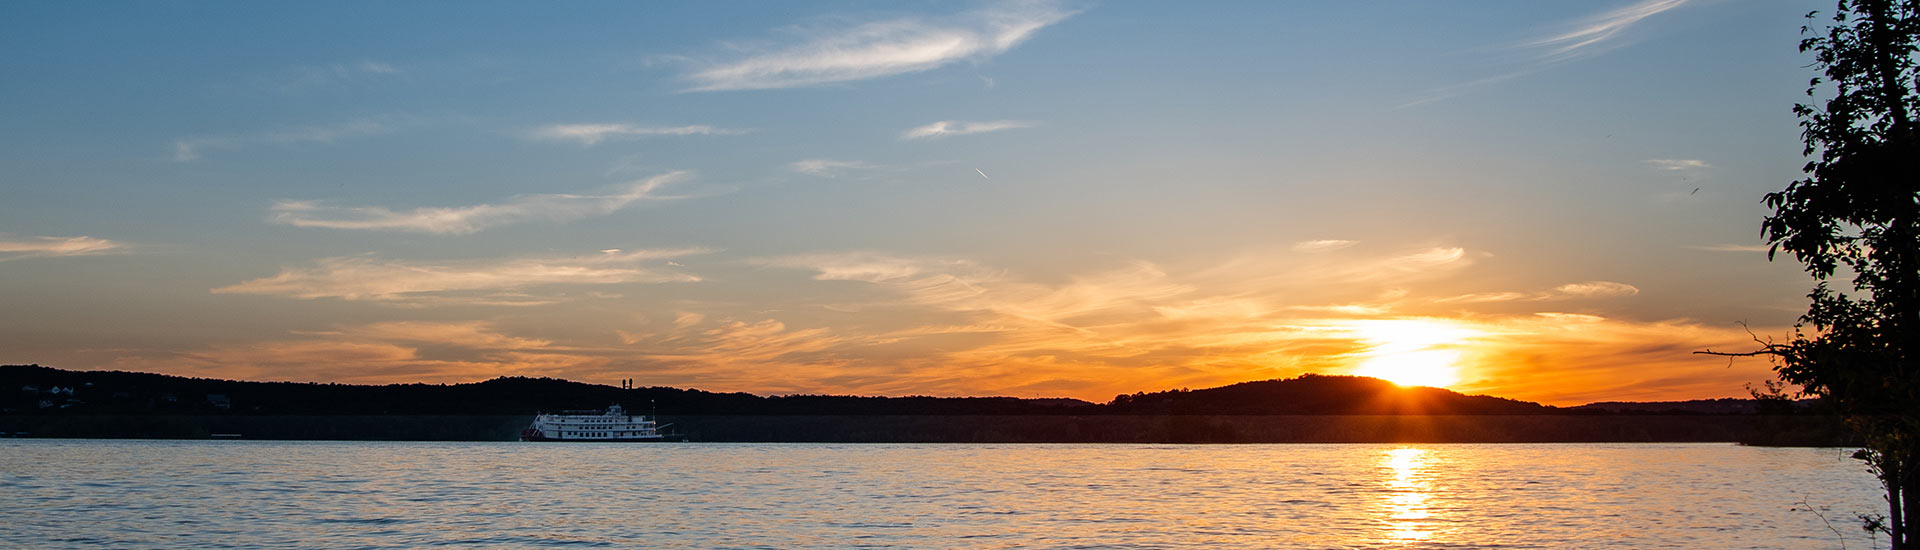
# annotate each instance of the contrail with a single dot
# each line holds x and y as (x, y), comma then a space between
(982, 174)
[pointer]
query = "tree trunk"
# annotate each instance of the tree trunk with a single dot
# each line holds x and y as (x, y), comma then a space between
(1896, 523)
(1901, 483)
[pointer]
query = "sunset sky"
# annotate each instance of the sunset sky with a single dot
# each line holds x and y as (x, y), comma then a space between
(1550, 201)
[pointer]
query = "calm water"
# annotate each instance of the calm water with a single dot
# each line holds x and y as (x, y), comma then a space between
(242, 494)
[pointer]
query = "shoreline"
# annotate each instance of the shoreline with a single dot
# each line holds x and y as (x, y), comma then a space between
(1818, 431)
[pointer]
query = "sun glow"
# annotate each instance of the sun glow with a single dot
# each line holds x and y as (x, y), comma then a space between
(1412, 352)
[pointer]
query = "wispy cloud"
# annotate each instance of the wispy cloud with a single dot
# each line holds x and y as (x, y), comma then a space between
(881, 48)
(1454, 90)
(464, 334)
(383, 353)
(1144, 325)
(1731, 247)
(497, 282)
(16, 248)
(333, 74)
(874, 267)
(593, 134)
(1322, 245)
(1584, 37)
(1587, 289)
(960, 128)
(1488, 297)
(871, 322)
(191, 149)
(827, 168)
(473, 218)
(1597, 33)
(1679, 164)
(1597, 289)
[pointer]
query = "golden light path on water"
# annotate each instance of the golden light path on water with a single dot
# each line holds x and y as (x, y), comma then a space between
(1404, 507)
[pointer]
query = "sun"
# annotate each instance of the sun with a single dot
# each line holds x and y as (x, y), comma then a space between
(1415, 368)
(1411, 352)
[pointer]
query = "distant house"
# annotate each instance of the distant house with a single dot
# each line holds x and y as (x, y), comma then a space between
(219, 401)
(30, 388)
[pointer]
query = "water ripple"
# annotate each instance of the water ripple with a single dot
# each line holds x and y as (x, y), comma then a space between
(180, 494)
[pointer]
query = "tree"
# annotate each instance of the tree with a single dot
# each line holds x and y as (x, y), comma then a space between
(1857, 212)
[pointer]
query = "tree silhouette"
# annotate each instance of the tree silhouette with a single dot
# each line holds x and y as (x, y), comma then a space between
(1857, 213)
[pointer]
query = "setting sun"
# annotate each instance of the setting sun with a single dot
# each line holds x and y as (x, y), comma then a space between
(1411, 352)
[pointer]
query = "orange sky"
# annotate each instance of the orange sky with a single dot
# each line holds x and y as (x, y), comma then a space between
(1556, 202)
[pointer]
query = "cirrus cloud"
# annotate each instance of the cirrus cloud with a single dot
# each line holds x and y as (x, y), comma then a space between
(881, 48)
(1679, 164)
(15, 248)
(498, 282)
(946, 128)
(471, 219)
(594, 133)
(1597, 289)
(191, 149)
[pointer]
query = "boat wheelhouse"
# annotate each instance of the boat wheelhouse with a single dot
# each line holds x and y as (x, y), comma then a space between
(614, 425)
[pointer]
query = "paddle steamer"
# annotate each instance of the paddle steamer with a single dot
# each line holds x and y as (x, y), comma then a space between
(614, 425)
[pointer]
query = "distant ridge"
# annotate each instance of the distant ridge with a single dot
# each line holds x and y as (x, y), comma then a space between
(45, 402)
(1321, 394)
(36, 389)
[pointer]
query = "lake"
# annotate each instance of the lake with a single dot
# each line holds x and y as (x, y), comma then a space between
(260, 494)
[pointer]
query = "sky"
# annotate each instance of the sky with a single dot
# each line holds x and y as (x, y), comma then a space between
(1550, 201)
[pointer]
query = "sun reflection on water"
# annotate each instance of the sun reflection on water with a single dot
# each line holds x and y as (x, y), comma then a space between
(1405, 512)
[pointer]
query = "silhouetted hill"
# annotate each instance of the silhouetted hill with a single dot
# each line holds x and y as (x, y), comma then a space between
(37, 389)
(39, 401)
(34, 388)
(1320, 394)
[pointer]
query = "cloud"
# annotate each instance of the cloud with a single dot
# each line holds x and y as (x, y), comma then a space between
(1147, 326)
(1488, 297)
(1679, 164)
(383, 353)
(1436, 256)
(1597, 289)
(829, 168)
(191, 149)
(946, 128)
(1731, 247)
(1323, 245)
(592, 134)
(499, 282)
(873, 267)
(463, 334)
(1588, 289)
(875, 323)
(881, 48)
(16, 248)
(474, 218)
(687, 319)
(333, 74)
(1571, 359)
(376, 67)
(1599, 32)
(1585, 37)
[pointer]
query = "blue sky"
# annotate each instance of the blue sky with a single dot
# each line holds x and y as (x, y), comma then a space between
(1551, 201)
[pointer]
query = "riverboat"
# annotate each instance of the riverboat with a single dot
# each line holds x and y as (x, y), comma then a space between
(613, 425)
